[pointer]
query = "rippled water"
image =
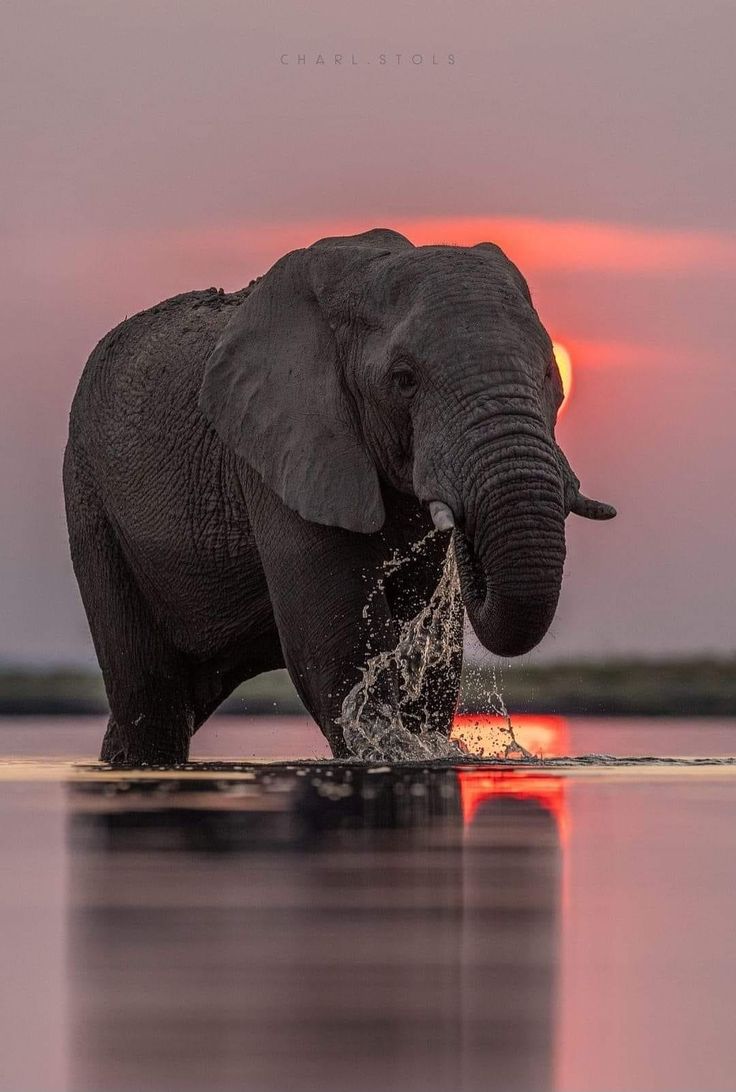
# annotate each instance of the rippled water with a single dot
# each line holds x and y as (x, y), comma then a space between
(327, 927)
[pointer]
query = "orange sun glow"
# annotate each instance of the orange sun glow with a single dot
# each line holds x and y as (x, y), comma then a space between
(543, 735)
(564, 364)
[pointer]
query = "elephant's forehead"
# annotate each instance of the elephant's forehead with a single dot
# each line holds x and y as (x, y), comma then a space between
(445, 261)
(451, 276)
(467, 337)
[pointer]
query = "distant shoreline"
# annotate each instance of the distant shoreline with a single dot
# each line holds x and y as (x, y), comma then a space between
(694, 687)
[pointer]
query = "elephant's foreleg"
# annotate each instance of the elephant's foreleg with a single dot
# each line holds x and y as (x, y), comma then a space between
(331, 612)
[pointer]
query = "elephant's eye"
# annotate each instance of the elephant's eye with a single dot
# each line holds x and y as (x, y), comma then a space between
(404, 380)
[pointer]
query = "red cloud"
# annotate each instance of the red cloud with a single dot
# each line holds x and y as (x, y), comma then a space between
(534, 244)
(246, 248)
(580, 245)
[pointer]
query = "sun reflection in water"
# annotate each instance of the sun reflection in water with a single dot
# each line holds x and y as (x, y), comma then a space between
(543, 736)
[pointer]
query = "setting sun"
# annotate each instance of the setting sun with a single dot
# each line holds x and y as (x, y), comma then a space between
(565, 367)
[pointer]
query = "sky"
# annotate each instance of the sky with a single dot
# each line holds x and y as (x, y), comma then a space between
(152, 147)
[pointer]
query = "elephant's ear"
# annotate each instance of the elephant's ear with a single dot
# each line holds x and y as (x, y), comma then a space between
(273, 387)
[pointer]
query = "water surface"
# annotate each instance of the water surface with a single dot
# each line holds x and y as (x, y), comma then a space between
(327, 928)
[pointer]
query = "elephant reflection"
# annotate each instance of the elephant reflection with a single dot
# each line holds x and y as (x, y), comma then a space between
(331, 930)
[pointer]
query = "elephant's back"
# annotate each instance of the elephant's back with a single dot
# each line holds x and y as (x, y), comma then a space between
(158, 469)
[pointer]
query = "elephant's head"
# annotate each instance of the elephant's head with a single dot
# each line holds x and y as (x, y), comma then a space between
(364, 359)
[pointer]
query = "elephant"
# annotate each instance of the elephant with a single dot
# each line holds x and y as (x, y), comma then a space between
(243, 470)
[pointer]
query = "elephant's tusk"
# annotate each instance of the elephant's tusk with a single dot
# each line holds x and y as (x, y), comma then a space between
(442, 516)
(591, 509)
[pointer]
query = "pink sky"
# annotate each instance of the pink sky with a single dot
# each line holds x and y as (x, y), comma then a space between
(147, 152)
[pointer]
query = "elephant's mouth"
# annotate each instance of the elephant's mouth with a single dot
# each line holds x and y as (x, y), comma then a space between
(472, 577)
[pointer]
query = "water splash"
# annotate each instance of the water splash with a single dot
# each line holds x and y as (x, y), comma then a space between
(476, 738)
(374, 713)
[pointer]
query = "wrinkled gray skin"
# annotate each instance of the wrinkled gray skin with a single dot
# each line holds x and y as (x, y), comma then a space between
(240, 467)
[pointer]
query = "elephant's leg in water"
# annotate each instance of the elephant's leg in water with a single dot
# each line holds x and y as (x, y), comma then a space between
(330, 609)
(150, 685)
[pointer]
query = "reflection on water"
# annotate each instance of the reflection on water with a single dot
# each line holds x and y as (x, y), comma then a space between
(327, 930)
(250, 927)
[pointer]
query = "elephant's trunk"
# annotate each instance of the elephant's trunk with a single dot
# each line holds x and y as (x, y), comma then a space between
(506, 623)
(511, 546)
